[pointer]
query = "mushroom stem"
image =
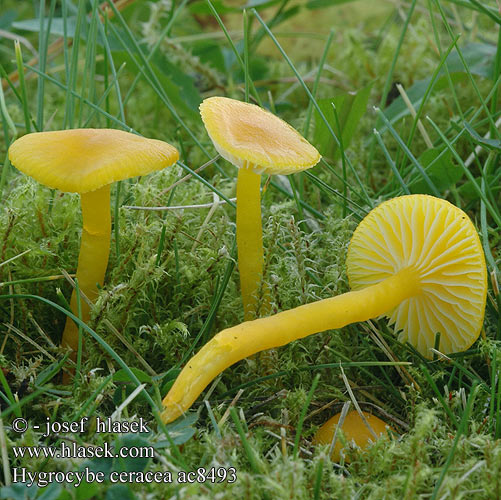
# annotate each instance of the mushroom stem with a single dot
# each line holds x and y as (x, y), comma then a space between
(236, 343)
(93, 257)
(250, 241)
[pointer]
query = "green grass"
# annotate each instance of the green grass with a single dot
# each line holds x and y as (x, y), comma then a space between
(172, 280)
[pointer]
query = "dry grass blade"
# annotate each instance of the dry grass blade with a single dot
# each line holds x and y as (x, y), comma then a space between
(30, 340)
(355, 403)
(5, 455)
(117, 414)
(230, 406)
(402, 371)
(180, 207)
(186, 177)
(339, 425)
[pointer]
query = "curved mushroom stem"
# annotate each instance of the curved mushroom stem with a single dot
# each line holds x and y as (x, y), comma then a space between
(92, 260)
(250, 242)
(236, 343)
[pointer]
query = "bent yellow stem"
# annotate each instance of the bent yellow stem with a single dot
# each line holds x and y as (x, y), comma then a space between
(236, 343)
(93, 257)
(250, 240)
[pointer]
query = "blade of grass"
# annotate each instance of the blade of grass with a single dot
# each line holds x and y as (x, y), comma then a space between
(212, 419)
(7, 124)
(340, 178)
(52, 371)
(439, 396)
(407, 151)
(66, 41)
(466, 68)
(389, 79)
(385, 377)
(9, 394)
(154, 49)
(109, 350)
(462, 130)
(234, 49)
(22, 86)
(305, 205)
(19, 404)
(42, 55)
(477, 6)
(328, 189)
(318, 479)
(111, 65)
(299, 428)
(108, 86)
(214, 306)
(316, 83)
(497, 434)
(93, 399)
(207, 183)
(76, 380)
(74, 93)
(492, 402)
(483, 216)
(344, 364)
(246, 54)
(390, 161)
(73, 70)
(343, 158)
(245, 443)
(88, 78)
(492, 210)
(9, 83)
(43, 44)
(462, 429)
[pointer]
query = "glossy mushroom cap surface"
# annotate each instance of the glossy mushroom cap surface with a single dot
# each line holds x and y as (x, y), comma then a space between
(83, 160)
(251, 137)
(438, 242)
(354, 429)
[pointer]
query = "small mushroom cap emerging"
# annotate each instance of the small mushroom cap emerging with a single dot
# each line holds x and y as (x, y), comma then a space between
(439, 242)
(354, 429)
(83, 160)
(251, 137)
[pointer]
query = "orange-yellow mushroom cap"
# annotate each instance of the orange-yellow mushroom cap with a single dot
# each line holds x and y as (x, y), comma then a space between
(83, 160)
(354, 430)
(250, 136)
(438, 242)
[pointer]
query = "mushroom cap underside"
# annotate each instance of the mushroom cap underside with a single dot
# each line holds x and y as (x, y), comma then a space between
(354, 429)
(438, 241)
(83, 160)
(251, 137)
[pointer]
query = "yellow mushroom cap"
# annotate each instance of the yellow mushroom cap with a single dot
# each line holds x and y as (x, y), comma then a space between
(83, 160)
(438, 241)
(251, 137)
(354, 429)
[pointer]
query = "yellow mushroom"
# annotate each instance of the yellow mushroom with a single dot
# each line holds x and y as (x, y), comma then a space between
(87, 161)
(354, 430)
(415, 259)
(257, 142)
